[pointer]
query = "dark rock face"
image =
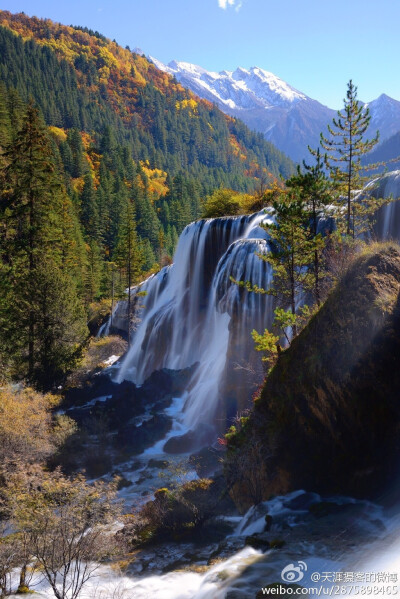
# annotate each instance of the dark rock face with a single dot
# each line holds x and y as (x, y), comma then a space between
(328, 418)
(126, 418)
(189, 441)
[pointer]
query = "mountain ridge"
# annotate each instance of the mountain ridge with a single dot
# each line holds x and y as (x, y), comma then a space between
(164, 123)
(286, 117)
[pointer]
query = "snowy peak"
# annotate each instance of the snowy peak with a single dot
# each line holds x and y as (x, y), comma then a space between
(268, 86)
(285, 116)
(239, 89)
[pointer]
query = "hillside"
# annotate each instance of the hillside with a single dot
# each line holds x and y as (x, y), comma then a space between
(387, 152)
(81, 79)
(328, 416)
(285, 116)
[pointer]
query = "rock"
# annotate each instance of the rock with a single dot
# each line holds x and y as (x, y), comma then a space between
(207, 461)
(123, 483)
(190, 440)
(326, 508)
(160, 464)
(301, 502)
(328, 416)
(257, 541)
(135, 439)
(277, 543)
(135, 466)
(268, 522)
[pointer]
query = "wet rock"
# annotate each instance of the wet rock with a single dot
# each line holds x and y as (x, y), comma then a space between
(135, 439)
(277, 543)
(191, 440)
(301, 502)
(166, 382)
(135, 466)
(226, 548)
(160, 464)
(123, 483)
(327, 508)
(258, 541)
(268, 522)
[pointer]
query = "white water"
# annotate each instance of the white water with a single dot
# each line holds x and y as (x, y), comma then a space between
(192, 310)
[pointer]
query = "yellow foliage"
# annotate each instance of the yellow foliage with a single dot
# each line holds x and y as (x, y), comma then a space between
(237, 148)
(190, 104)
(156, 179)
(77, 184)
(58, 134)
(87, 140)
(25, 425)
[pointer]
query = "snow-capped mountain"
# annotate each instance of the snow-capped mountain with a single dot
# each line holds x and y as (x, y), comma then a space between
(241, 89)
(287, 117)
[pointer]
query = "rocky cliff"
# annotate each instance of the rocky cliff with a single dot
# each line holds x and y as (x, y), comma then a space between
(328, 416)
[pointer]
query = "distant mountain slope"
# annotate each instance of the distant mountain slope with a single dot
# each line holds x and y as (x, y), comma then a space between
(387, 152)
(287, 117)
(81, 79)
(385, 116)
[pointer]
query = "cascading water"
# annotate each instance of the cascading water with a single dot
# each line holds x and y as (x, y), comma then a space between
(388, 217)
(193, 313)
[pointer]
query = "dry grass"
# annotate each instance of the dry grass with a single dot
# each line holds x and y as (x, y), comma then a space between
(97, 352)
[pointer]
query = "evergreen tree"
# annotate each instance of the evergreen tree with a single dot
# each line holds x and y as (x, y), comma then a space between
(316, 194)
(89, 210)
(75, 143)
(31, 222)
(346, 144)
(292, 253)
(94, 271)
(59, 324)
(128, 256)
(5, 123)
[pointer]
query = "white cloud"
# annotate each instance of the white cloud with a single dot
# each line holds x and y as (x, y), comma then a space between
(237, 4)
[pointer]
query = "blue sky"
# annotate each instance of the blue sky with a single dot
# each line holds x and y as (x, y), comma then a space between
(315, 45)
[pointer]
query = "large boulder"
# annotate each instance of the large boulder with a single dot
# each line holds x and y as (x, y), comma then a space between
(328, 417)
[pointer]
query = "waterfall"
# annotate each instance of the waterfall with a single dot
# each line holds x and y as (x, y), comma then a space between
(193, 313)
(388, 217)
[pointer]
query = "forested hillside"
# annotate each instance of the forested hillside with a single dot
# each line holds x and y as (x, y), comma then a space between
(117, 158)
(80, 79)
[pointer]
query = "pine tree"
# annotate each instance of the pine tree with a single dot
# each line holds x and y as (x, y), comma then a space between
(32, 222)
(5, 123)
(59, 324)
(316, 194)
(346, 145)
(89, 210)
(75, 143)
(94, 271)
(129, 256)
(292, 253)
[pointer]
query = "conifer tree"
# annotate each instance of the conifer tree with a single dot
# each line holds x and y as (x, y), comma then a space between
(129, 255)
(292, 253)
(32, 202)
(346, 144)
(89, 209)
(315, 192)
